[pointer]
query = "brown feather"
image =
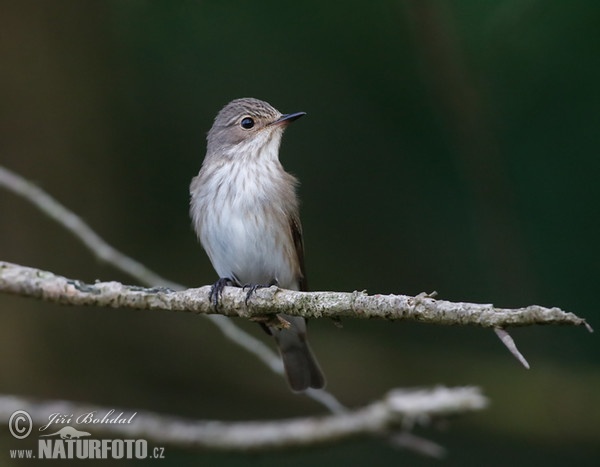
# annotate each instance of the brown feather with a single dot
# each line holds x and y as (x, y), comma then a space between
(296, 229)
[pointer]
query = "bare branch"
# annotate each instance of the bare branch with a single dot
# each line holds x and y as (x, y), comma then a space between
(31, 282)
(74, 224)
(398, 410)
(508, 341)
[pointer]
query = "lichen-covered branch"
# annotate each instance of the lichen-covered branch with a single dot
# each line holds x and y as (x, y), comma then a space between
(35, 283)
(397, 410)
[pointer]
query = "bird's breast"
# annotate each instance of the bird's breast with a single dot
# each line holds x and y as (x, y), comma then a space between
(242, 219)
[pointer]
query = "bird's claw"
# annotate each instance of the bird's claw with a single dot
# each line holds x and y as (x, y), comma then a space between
(216, 290)
(253, 288)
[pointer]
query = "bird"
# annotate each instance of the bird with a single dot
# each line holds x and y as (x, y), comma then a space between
(245, 212)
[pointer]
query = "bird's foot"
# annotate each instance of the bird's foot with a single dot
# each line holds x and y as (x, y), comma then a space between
(217, 290)
(254, 287)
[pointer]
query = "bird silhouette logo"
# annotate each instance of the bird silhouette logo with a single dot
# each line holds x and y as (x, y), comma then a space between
(68, 432)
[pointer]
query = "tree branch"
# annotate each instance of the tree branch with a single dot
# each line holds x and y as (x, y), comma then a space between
(74, 224)
(398, 410)
(35, 283)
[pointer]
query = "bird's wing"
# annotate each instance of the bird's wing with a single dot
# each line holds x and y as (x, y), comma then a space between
(296, 229)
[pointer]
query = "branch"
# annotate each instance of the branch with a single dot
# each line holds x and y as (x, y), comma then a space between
(74, 224)
(398, 410)
(35, 283)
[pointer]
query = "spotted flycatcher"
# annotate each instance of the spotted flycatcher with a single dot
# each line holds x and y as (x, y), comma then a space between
(244, 209)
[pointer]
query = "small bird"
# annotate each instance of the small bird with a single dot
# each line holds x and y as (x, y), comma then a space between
(244, 209)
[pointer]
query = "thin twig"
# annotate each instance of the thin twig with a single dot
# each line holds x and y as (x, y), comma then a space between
(74, 224)
(508, 341)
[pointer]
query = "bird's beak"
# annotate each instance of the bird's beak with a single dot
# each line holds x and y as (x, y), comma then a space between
(288, 118)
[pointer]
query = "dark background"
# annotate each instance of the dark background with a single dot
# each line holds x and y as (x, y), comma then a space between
(449, 146)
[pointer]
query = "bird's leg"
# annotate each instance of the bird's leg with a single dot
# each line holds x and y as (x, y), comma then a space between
(216, 290)
(254, 287)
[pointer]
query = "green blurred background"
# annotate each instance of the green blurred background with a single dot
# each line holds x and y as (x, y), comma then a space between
(449, 146)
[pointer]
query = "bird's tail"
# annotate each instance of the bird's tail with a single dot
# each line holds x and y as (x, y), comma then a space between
(301, 367)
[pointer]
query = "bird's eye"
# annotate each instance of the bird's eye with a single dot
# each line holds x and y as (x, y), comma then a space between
(247, 123)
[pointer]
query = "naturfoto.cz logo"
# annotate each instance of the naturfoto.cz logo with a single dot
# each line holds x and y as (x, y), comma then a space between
(68, 442)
